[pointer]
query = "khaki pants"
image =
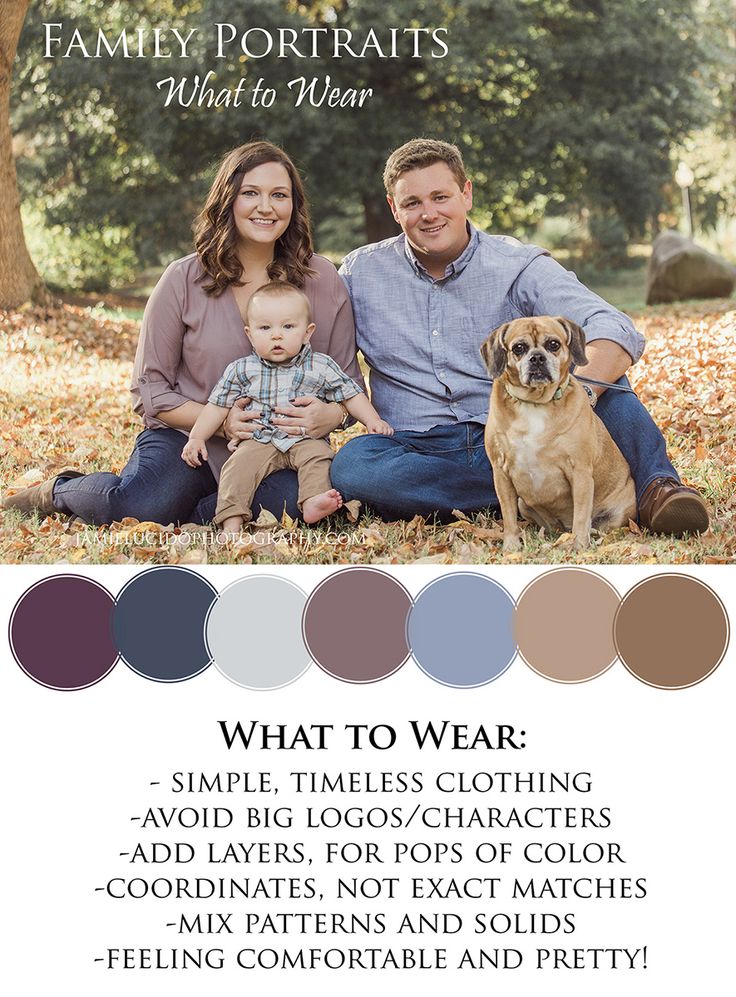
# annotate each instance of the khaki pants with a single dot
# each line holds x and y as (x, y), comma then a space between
(243, 472)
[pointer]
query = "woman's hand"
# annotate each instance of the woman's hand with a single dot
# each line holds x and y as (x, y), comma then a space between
(239, 423)
(315, 417)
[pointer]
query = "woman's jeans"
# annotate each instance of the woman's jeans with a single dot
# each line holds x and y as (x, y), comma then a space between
(446, 468)
(157, 486)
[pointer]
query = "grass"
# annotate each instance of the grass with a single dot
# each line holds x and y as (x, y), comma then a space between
(64, 398)
(626, 288)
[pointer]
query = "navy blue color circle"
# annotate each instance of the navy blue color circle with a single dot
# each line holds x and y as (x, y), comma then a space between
(158, 623)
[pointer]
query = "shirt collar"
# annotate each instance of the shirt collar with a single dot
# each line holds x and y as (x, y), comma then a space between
(452, 269)
(297, 361)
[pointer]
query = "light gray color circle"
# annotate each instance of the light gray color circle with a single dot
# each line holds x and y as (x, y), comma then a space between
(254, 632)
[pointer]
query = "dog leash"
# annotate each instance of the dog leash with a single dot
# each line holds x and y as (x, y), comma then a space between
(604, 384)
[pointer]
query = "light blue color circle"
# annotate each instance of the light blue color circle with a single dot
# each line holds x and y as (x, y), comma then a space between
(461, 630)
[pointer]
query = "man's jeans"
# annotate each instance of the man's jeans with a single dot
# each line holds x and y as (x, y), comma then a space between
(157, 486)
(447, 468)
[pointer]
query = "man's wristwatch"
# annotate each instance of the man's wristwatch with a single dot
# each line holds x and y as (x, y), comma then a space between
(592, 396)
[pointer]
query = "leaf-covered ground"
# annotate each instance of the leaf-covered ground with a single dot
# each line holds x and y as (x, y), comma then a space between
(64, 403)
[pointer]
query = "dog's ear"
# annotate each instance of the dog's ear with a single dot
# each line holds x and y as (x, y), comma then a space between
(493, 352)
(576, 342)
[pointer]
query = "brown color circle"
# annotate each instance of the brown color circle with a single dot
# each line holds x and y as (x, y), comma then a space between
(564, 625)
(671, 631)
(354, 625)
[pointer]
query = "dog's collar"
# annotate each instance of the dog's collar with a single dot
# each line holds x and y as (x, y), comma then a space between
(561, 389)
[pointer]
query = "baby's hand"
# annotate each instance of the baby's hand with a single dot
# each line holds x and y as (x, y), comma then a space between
(194, 453)
(380, 427)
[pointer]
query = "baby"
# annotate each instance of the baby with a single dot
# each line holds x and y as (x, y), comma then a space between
(282, 366)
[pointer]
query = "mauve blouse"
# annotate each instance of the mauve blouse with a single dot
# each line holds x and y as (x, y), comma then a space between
(188, 338)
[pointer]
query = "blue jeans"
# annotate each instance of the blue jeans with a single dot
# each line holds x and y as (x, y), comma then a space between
(446, 467)
(157, 486)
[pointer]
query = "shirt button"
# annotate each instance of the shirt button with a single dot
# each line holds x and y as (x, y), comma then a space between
(435, 332)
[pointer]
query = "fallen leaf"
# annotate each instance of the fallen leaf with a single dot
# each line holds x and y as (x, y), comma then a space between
(266, 519)
(564, 539)
(196, 556)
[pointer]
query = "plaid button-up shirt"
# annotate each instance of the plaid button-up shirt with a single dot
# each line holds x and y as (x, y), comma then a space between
(273, 385)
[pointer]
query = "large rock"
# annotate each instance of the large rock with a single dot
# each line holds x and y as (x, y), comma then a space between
(678, 269)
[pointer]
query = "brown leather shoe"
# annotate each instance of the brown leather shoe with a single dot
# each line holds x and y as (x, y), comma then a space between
(37, 498)
(669, 507)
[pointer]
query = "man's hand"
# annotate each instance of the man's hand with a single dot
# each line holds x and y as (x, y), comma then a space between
(316, 417)
(607, 361)
(194, 453)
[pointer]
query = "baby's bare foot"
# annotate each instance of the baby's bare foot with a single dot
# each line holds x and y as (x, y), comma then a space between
(319, 506)
(230, 531)
(228, 538)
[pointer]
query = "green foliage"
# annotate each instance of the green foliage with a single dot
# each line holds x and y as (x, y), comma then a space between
(713, 195)
(608, 239)
(83, 259)
(557, 105)
(710, 151)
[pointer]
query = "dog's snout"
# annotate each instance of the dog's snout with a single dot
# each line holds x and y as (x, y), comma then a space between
(537, 359)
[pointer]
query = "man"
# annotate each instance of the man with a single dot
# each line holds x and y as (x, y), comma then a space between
(424, 302)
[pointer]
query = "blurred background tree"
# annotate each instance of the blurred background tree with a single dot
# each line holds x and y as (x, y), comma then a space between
(19, 279)
(710, 150)
(564, 109)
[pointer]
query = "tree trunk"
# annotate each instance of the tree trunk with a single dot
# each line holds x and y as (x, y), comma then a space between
(379, 222)
(19, 279)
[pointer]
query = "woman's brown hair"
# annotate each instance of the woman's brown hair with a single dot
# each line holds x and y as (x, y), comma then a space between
(215, 235)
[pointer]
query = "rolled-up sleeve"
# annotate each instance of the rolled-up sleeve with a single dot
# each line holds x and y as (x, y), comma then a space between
(546, 288)
(155, 386)
(338, 386)
(233, 384)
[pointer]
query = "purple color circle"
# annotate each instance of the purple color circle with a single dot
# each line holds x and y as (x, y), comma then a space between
(60, 632)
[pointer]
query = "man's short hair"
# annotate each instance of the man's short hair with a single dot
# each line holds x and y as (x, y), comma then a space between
(421, 152)
(276, 289)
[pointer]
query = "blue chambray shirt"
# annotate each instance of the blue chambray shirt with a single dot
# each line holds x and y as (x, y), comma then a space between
(272, 385)
(421, 337)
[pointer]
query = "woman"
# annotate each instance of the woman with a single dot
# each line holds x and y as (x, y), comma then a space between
(253, 228)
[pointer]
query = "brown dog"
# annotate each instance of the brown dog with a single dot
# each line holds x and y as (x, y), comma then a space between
(553, 459)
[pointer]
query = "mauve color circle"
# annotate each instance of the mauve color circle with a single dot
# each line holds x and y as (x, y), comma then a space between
(158, 623)
(354, 625)
(60, 632)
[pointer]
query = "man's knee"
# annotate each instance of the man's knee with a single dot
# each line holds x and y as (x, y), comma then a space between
(354, 471)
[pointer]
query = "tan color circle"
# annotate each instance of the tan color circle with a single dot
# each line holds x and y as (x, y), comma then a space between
(564, 625)
(671, 631)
